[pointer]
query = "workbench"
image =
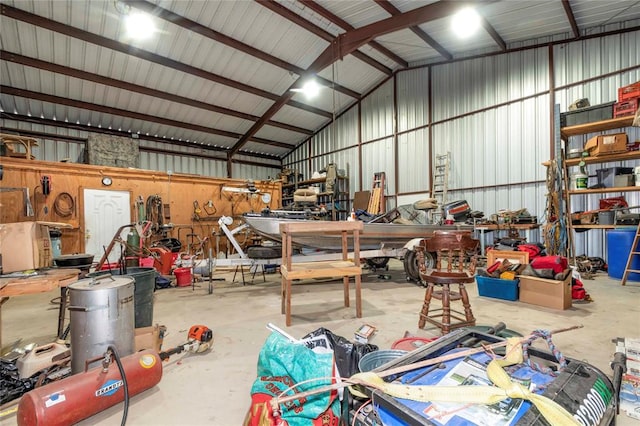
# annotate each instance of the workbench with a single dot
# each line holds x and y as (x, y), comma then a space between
(46, 280)
(482, 230)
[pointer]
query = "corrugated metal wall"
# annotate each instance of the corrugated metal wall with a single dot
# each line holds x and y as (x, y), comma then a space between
(493, 115)
(50, 149)
(189, 160)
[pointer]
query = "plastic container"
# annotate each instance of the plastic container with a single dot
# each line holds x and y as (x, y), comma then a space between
(56, 242)
(183, 277)
(579, 181)
(619, 243)
(497, 288)
(606, 176)
(636, 173)
(607, 218)
(145, 285)
(40, 358)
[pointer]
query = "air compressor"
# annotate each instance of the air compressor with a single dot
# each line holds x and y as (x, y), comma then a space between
(82, 395)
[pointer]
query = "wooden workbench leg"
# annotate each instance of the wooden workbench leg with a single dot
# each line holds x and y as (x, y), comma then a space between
(358, 297)
(288, 304)
(345, 280)
(283, 294)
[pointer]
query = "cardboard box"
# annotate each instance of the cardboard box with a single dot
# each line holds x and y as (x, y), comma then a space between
(149, 337)
(606, 144)
(545, 292)
(364, 333)
(24, 246)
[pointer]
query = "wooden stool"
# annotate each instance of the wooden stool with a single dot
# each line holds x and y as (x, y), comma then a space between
(459, 251)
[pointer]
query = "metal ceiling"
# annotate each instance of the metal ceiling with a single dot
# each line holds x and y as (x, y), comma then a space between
(218, 74)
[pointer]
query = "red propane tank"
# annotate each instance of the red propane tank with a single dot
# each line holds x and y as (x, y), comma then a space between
(82, 395)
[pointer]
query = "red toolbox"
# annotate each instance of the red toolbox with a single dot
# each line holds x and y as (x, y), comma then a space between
(623, 109)
(629, 92)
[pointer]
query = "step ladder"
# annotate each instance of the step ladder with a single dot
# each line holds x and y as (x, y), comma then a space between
(440, 184)
(377, 203)
(633, 252)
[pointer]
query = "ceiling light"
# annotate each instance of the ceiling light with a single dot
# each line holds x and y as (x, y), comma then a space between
(139, 26)
(310, 89)
(465, 22)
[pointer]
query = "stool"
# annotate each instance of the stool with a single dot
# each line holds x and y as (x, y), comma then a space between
(459, 251)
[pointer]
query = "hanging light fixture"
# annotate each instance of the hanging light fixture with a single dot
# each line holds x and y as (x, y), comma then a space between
(310, 88)
(465, 22)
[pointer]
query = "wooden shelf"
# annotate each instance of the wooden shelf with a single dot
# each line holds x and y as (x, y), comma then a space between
(605, 190)
(596, 126)
(625, 156)
(604, 226)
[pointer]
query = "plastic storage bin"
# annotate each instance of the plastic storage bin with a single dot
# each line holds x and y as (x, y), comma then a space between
(497, 288)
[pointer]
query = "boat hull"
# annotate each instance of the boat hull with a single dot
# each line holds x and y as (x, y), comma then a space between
(374, 236)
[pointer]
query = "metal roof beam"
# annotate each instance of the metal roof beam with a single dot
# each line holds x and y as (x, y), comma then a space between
(204, 31)
(346, 43)
(311, 4)
(493, 33)
(393, 11)
(571, 18)
(23, 93)
(76, 73)
(108, 43)
(299, 20)
(121, 133)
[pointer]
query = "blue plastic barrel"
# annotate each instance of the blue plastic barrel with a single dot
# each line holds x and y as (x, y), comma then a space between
(619, 243)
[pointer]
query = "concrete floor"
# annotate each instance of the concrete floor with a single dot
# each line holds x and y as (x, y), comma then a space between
(213, 388)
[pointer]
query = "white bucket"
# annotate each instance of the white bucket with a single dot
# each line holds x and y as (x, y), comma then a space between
(579, 181)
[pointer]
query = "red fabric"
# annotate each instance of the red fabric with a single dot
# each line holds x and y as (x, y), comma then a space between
(260, 401)
(532, 249)
(555, 263)
(491, 269)
(577, 290)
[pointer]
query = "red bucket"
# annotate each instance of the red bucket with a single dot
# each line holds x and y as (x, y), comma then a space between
(183, 277)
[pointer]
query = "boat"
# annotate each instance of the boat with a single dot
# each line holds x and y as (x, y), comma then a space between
(375, 235)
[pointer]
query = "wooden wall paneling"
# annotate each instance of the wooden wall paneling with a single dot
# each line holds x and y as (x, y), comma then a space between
(179, 191)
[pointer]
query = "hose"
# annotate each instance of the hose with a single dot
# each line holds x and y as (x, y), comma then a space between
(125, 385)
(61, 210)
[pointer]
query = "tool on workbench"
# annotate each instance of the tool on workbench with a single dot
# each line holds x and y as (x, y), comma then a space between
(199, 340)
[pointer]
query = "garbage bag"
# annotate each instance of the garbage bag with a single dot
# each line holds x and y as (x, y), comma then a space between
(346, 353)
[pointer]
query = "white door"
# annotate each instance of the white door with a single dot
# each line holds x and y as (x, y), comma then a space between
(104, 213)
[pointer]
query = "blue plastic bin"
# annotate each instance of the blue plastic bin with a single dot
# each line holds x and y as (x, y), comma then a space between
(497, 288)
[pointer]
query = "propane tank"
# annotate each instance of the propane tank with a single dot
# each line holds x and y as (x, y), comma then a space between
(83, 395)
(133, 242)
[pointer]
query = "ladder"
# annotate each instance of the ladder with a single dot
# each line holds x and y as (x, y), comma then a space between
(633, 252)
(377, 203)
(440, 184)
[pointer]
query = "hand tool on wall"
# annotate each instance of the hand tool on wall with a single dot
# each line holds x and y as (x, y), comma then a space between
(199, 340)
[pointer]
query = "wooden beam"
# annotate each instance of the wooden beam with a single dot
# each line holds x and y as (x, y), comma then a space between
(393, 11)
(297, 19)
(571, 18)
(76, 73)
(311, 4)
(348, 42)
(23, 93)
(207, 32)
